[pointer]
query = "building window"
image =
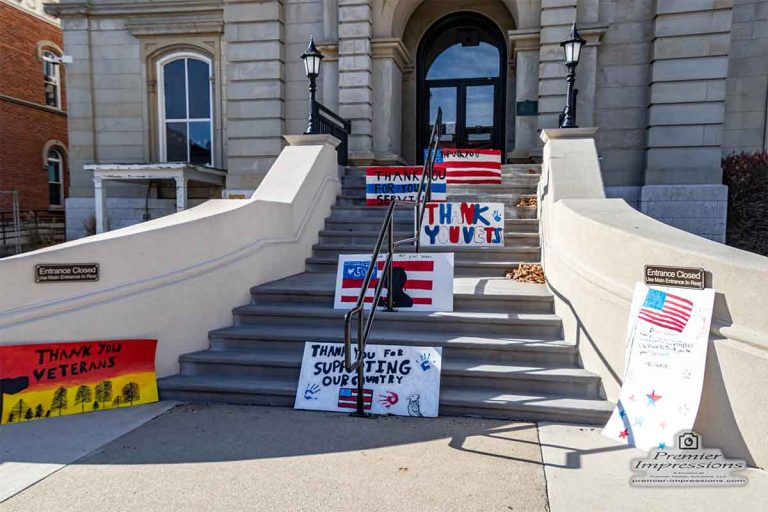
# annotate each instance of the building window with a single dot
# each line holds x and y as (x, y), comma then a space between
(52, 79)
(186, 109)
(55, 178)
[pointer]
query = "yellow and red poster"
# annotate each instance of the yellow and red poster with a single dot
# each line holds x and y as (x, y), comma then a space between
(58, 379)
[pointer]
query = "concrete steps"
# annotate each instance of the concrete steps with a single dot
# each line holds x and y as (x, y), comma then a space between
(503, 351)
(465, 254)
(453, 401)
(482, 347)
(341, 221)
(268, 362)
(369, 236)
(469, 294)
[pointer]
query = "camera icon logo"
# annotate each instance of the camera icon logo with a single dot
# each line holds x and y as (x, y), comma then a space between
(688, 441)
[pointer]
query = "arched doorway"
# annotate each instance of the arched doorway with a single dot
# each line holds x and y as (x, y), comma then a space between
(461, 67)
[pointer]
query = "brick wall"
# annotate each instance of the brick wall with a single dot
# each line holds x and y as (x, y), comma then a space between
(25, 128)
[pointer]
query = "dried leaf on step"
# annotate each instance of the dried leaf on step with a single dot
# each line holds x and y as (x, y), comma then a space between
(527, 273)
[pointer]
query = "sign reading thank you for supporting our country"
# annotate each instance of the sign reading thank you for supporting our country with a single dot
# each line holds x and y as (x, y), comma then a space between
(58, 379)
(679, 277)
(400, 380)
(65, 272)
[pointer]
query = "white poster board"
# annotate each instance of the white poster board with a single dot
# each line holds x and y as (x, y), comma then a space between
(422, 282)
(463, 225)
(666, 352)
(383, 184)
(399, 380)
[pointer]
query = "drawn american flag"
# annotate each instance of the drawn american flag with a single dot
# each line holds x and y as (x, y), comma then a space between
(666, 310)
(348, 398)
(470, 166)
(418, 285)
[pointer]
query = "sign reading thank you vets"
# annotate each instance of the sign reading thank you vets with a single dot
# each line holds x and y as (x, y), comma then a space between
(399, 380)
(463, 224)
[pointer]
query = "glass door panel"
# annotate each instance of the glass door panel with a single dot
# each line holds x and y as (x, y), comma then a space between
(479, 116)
(447, 99)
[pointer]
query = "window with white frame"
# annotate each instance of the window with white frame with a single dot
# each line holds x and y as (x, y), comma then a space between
(185, 108)
(55, 178)
(52, 79)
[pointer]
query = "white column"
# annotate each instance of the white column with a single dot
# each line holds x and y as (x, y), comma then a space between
(100, 197)
(181, 193)
(525, 45)
(355, 76)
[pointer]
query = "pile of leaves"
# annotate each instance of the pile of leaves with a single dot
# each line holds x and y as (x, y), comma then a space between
(746, 175)
(528, 201)
(527, 273)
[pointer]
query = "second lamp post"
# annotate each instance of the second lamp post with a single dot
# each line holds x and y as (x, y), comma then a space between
(572, 49)
(312, 58)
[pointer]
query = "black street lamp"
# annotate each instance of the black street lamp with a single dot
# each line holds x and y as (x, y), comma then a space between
(312, 58)
(572, 49)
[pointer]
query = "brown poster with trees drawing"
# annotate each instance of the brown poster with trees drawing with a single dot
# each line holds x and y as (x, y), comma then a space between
(57, 379)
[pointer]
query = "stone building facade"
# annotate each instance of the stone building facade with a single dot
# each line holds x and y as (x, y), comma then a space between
(672, 85)
(33, 117)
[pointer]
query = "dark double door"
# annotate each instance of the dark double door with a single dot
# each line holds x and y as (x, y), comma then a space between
(471, 113)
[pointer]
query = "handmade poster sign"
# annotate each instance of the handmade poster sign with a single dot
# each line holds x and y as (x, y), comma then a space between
(470, 166)
(399, 380)
(420, 282)
(463, 224)
(666, 352)
(58, 379)
(383, 184)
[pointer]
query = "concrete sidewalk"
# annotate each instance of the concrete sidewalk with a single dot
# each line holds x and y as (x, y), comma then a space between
(587, 472)
(31, 451)
(233, 458)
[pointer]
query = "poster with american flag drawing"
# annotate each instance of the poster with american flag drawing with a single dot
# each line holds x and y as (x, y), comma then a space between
(665, 356)
(420, 282)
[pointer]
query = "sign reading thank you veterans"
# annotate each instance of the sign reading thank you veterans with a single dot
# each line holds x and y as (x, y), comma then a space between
(399, 380)
(58, 379)
(679, 277)
(58, 273)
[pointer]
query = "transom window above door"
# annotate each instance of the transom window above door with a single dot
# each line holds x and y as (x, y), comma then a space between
(186, 109)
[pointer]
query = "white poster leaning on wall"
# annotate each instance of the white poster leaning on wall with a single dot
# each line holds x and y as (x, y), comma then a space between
(400, 380)
(666, 352)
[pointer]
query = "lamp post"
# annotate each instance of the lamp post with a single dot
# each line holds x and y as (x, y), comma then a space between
(572, 49)
(312, 58)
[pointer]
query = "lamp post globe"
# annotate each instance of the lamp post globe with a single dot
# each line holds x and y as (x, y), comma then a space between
(571, 53)
(312, 58)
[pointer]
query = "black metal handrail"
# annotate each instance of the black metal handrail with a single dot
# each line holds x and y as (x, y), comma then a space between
(364, 324)
(331, 123)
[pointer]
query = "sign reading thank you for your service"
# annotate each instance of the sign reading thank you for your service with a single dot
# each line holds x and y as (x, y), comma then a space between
(64, 272)
(680, 277)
